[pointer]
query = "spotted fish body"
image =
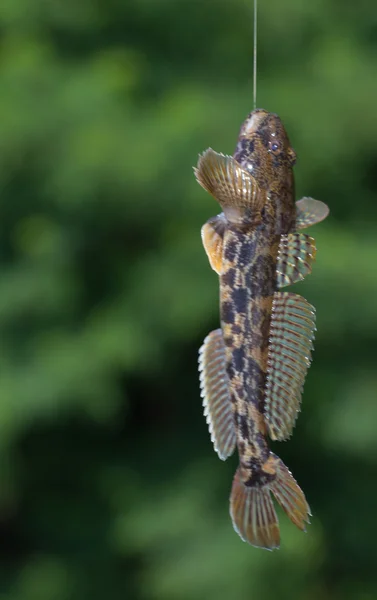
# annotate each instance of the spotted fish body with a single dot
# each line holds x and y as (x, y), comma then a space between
(248, 283)
(246, 305)
(253, 369)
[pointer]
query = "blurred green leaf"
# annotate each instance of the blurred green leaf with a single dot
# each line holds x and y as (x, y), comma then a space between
(109, 487)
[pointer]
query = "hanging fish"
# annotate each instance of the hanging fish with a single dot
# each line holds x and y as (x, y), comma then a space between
(252, 370)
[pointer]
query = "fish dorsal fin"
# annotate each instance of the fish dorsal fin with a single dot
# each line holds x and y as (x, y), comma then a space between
(309, 212)
(212, 237)
(224, 178)
(214, 384)
(295, 259)
(290, 346)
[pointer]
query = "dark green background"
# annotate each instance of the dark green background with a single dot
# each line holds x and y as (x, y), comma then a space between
(109, 486)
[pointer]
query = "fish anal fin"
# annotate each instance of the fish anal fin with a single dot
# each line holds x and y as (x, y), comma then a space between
(212, 237)
(295, 259)
(253, 515)
(290, 345)
(224, 178)
(290, 496)
(214, 384)
(309, 212)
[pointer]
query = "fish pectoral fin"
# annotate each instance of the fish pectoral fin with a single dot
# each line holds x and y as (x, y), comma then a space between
(309, 212)
(295, 258)
(212, 238)
(215, 391)
(290, 346)
(224, 178)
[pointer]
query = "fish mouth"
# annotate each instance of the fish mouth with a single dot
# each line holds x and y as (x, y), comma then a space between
(253, 122)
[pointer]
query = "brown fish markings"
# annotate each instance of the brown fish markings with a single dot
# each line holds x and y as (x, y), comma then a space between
(253, 368)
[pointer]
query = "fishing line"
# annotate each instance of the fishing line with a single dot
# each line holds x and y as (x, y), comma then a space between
(255, 54)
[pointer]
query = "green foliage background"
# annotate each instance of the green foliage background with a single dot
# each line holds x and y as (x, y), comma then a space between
(109, 486)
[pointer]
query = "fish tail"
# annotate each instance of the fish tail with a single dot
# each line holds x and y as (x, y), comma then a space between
(253, 514)
(289, 495)
(252, 510)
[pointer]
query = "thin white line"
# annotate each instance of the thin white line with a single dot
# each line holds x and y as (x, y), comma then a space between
(255, 54)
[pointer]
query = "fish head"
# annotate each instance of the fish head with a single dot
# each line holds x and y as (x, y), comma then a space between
(264, 150)
(263, 145)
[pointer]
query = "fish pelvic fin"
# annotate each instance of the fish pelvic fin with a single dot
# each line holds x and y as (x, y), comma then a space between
(230, 184)
(295, 259)
(310, 212)
(252, 510)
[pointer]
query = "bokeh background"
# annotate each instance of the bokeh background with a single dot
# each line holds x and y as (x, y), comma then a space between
(109, 486)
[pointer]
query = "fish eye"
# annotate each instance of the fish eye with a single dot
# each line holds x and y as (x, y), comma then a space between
(274, 147)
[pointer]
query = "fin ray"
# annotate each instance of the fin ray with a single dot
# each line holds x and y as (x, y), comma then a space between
(253, 515)
(288, 361)
(290, 496)
(224, 178)
(215, 392)
(295, 259)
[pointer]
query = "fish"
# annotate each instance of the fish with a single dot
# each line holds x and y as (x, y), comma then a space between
(253, 368)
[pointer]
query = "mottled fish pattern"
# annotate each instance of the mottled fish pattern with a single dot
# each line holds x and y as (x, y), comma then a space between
(252, 370)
